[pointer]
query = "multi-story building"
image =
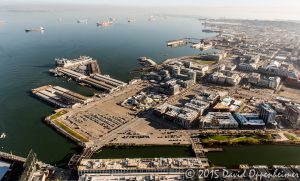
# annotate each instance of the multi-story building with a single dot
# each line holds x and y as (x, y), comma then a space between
(275, 69)
(267, 113)
(254, 78)
(225, 77)
(210, 97)
(218, 120)
(184, 117)
(144, 168)
(248, 62)
(249, 120)
(292, 113)
(197, 105)
(264, 81)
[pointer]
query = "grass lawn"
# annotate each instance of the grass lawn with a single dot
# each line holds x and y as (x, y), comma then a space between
(290, 137)
(220, 137)
(245, 139)
(58, 114)
(234, 140)
(70, 131)
(203, 62)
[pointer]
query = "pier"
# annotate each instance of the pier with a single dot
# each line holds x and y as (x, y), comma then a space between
(196, 43)
(145, 61)
(59, 96)
(179, 42)
(212, 150)
(76, 158)
(197, 148)
(10, 156)
(86, 70)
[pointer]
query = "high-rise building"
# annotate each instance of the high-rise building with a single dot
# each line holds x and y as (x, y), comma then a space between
(267, 113)
(174, 89)
(192, 76)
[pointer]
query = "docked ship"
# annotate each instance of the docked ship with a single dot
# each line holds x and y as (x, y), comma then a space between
(82, 21)
(105, 23)
(112, 19)
(41, 29)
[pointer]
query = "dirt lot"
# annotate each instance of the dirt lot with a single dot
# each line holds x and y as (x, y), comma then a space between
(290, 93)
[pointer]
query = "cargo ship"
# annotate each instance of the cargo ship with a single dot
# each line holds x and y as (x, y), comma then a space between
(130, 20)
(35, 29)
(105, 23)
(112, 19)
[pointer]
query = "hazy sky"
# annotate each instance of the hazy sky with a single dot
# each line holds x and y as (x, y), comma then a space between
(286, 3)
(252, 9)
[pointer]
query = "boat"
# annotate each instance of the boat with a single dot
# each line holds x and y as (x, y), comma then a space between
(2, 136)
(82, 21)
(130, 20)
(151, 18)
(112, 19)
(41, 29)
(105, 23)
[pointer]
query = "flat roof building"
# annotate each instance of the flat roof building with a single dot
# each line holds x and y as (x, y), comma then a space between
(249, 120)
(292, 113)
(184, 117)
(140, 166)
(218, 120)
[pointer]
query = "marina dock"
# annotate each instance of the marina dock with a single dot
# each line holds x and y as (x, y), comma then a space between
(10, 156)
(60, 97)
(179, 42)
(76, 158)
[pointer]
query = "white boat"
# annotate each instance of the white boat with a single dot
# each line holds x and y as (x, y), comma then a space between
(35, 29)
(105, 23)
(130, 20)
(151, 18)
(82, 21)
(2, 136)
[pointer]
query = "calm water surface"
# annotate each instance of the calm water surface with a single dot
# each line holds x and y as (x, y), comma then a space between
(232, 156)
